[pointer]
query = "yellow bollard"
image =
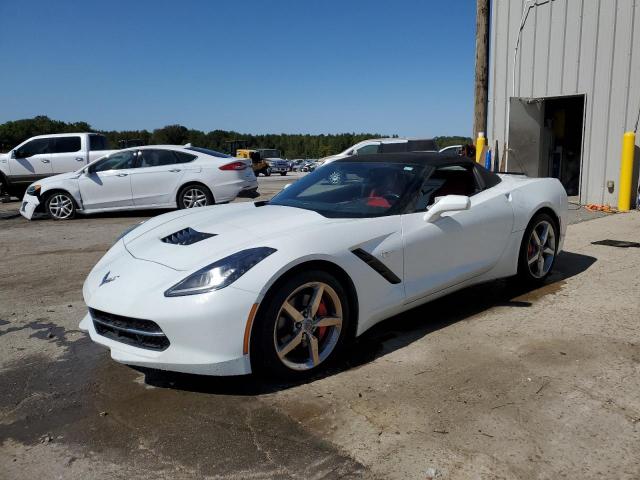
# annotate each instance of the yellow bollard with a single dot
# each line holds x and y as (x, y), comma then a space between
(481, 141)
(626, 171)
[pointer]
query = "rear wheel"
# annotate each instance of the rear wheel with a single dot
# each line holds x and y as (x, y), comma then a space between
(60, 206)
(538, 249)
(283, 174)
(192, 196)
(302, 327)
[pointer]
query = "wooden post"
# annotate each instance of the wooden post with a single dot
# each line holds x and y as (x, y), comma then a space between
(481, 93)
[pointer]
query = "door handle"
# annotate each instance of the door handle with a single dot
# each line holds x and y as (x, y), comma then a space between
(79, 159)
(174, 170)
(122, 174)
(44, 160)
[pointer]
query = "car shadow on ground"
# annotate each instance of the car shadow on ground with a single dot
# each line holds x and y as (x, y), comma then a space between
(394, 333)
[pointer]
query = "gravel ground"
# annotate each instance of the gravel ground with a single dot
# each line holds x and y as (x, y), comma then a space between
(490, 382)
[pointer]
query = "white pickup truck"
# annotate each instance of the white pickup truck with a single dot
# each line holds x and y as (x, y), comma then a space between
(46, 155)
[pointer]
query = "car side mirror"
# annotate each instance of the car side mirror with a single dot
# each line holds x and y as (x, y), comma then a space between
(449, 203)
(18, 154)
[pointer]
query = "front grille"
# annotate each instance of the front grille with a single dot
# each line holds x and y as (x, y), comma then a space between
(132, 331)
(186, 236)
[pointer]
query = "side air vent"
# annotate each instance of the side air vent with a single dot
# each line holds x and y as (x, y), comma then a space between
(186, 236)
(377, 265)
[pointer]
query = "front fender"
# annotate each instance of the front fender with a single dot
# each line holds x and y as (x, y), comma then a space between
(68, 185)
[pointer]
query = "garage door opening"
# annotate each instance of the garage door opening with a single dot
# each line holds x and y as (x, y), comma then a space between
(545, 138)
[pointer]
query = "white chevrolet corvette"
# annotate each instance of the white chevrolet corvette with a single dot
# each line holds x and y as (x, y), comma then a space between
(281, 286)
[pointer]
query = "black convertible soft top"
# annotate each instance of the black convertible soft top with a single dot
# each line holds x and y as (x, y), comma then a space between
(433, 159)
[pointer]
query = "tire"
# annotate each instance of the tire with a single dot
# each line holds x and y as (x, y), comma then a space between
(282, 342)
(282, 174)
(193, 196)
(538, 249)
(267, 172)
(3, 186)
(60, 206)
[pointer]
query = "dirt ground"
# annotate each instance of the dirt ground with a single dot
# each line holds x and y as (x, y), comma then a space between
(491, 382)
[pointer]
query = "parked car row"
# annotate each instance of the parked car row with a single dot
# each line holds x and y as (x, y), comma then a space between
(150, 177)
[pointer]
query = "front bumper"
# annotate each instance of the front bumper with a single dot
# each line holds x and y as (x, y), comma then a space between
(29, 206)
(205, 332)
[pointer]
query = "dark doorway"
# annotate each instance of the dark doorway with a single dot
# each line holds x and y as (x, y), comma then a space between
(545, 138)
(562, 141)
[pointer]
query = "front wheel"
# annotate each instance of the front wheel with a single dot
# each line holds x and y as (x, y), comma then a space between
(538, 249)
(302, 327)
(267, 172)
(282, 174)
(60, 206)
(193, 196)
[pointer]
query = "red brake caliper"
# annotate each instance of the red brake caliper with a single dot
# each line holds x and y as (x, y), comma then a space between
(530, 250)
(322, 311)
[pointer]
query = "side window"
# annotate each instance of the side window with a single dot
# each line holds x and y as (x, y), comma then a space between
(184, 157)
(115, 161)
(97, 142)
(447, 180)
(66, 144)
(37, 146)
(157, 158)
(368, 149)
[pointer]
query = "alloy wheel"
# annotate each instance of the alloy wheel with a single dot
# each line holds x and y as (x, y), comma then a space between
(60, 206)
(308, 326)
(541, 249)
(194, 197)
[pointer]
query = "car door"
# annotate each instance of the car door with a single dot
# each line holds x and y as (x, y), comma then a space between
(67, 154)
(460, 245)
(31, 161)
(107, 182)
(156, 181)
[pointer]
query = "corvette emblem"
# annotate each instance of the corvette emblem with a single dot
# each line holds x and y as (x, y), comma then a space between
(107, 278)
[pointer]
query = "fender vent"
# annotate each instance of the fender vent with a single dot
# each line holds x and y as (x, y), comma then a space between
(377, 265)
(186, 236)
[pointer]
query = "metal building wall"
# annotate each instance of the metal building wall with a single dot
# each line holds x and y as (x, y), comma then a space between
(570, 47)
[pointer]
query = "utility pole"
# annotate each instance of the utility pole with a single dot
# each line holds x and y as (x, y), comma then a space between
(481, 91)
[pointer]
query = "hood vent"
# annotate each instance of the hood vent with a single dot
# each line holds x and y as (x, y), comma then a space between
(186, 236)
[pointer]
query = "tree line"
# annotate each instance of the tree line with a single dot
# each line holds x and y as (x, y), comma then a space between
(13, 133)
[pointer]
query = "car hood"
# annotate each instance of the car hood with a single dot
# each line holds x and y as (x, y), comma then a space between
(57, 178)
(234, 227)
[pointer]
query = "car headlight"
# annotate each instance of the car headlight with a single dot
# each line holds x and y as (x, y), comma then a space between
(221, 273)
(33, 189)
(128, 230)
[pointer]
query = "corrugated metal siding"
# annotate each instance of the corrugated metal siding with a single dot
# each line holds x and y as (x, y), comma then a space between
(569, 47)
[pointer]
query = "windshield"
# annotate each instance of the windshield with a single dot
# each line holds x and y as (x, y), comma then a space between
(353, 189)
(206, 151)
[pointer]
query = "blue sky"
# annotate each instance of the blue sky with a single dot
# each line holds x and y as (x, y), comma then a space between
(403, 67)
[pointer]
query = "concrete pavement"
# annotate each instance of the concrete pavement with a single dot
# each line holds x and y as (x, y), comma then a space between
(490, 382)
